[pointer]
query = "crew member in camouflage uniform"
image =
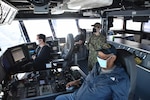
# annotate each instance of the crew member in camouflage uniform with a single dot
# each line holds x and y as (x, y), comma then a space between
(96, 41)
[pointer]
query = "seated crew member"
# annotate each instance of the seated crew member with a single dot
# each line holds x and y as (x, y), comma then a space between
(42, 55)
(80, 38)
(106, 81)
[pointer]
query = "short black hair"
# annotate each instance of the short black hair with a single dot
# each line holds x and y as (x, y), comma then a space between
(42, 36)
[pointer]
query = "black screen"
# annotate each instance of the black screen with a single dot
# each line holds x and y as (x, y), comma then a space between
(31, 49)
(31, 46)
(54, 45)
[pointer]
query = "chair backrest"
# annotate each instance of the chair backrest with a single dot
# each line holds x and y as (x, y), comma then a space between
(127, 60)
(84, 34)
(68, 50)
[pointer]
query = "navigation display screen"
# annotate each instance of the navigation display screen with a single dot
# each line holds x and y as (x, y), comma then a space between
(17, 54)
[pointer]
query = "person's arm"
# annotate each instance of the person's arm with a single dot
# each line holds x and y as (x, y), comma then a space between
(43, 56)
(45, 53)
(74, 83)
(88, 43)
(79, 42)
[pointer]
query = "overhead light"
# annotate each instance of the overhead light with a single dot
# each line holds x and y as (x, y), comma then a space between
(61, 8)
(91, 14)
(57, 10)
(87, 4)
(74, 7)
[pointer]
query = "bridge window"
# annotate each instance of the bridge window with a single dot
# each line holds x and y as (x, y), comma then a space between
(117, 24)
(86, 23)
(146, 27)
(35, 27)
(135, 26)
(63, 27)
(10, 35)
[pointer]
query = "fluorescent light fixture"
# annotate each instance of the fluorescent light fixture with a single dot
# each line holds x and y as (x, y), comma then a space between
(87, 4)
(61, 9)
(56, 11)
(74, 7)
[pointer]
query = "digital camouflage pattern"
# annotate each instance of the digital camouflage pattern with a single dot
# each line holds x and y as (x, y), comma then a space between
(95, 42)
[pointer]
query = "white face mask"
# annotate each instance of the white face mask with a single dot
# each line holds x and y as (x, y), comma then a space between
(102, 62)
(37, 42)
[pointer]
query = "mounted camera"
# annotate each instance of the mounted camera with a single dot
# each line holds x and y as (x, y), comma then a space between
(40, 6)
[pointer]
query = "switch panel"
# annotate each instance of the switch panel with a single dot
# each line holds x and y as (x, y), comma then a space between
(140, 54)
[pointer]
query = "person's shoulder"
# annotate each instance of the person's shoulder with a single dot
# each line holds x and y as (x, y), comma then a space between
(119, 66)
(92, 35)
(102, 35)
(96, 66)
(46, 47)
(120, 70)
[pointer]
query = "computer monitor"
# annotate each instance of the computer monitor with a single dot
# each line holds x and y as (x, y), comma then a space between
(31, 48)
(6, 61)
(18, 54)
(54, 45)
(14, 58)
(62, 40)
(146, 27)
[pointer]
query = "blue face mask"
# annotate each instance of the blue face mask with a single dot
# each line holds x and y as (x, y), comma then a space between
(102, 62)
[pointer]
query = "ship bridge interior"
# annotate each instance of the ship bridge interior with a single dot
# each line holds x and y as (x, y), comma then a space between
(125, 23)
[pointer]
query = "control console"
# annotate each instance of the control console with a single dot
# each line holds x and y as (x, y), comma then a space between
(141, 53)
(37, 84)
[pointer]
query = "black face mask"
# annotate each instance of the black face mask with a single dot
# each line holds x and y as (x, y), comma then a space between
(94, 30)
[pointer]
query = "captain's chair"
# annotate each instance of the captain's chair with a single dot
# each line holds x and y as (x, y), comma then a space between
(68, 51)
(127, 60)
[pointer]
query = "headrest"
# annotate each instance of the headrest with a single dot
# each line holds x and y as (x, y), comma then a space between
(126, 59)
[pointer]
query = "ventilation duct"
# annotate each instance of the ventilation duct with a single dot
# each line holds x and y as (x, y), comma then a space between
(39, 2)
(88, 4)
